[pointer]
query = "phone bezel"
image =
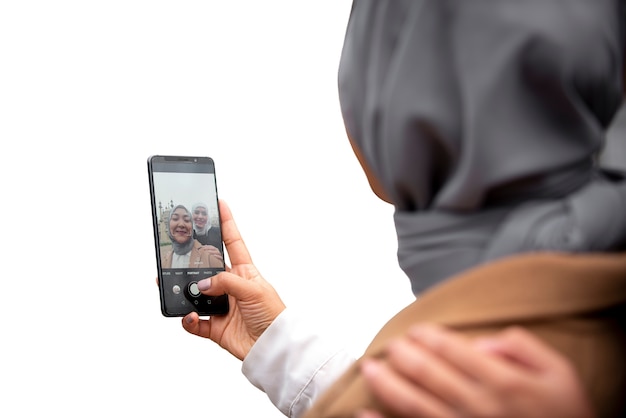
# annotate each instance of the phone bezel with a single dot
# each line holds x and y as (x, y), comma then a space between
(203, 305)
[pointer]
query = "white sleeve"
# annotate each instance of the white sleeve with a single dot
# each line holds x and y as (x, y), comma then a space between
(293, 365)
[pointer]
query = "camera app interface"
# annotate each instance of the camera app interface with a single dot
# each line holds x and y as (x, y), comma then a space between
(188, 228)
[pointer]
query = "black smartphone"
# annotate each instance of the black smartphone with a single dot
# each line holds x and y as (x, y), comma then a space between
(187, 232)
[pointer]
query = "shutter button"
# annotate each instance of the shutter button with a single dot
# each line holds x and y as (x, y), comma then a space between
(193, 289)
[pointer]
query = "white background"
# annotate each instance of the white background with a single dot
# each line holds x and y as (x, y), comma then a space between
(90, 89)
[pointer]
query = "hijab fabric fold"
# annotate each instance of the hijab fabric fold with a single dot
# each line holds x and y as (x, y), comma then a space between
(482, 120)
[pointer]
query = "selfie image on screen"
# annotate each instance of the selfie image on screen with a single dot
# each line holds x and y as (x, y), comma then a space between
(188, 221)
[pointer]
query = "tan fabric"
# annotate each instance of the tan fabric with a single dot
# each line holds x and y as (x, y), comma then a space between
(197, 259)
(576, 303)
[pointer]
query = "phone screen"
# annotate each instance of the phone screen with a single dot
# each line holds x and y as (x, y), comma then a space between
(187, 233)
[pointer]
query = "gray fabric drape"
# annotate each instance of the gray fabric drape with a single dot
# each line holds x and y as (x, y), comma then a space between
(614, 152)
(483, 121)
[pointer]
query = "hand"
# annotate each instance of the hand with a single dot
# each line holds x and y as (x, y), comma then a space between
(433, 372)
(214, 251)
(254, 304)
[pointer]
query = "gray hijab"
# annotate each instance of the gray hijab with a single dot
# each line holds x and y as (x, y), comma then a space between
(483, 120)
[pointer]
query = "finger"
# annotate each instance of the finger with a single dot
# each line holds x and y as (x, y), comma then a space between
(418, 365)
(196, 326)
(459, 354)
(237, 250)
(522, 347)
(398, 395)
(229, 283)
(548, 368)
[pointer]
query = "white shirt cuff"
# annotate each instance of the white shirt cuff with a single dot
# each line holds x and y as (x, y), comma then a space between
(293, 365)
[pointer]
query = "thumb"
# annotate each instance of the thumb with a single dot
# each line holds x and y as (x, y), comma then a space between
(229, 283)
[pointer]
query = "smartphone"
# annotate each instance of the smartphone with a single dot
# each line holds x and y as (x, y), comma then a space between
(187, 233)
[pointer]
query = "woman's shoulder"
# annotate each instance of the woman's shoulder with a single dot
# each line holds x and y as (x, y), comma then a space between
(167, 251)
(215, 261)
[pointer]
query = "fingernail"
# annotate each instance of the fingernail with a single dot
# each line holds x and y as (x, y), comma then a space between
(417, 332)
(485, 344)
(428, 335)
(370, 368)
(204, 284)
(189, 319)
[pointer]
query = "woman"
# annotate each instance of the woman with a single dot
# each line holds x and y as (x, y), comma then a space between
(480, 122)
(208, 235)
(185, 251)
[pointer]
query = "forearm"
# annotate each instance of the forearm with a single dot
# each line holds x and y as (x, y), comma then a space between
(293, 365)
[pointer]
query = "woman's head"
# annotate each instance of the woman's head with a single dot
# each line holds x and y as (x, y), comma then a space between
(200, 216)
(179, 225)
(475, 155)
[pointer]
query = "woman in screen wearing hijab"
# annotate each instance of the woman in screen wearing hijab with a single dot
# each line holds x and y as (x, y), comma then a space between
(480, 121)
(208, 235)
(186, 251)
